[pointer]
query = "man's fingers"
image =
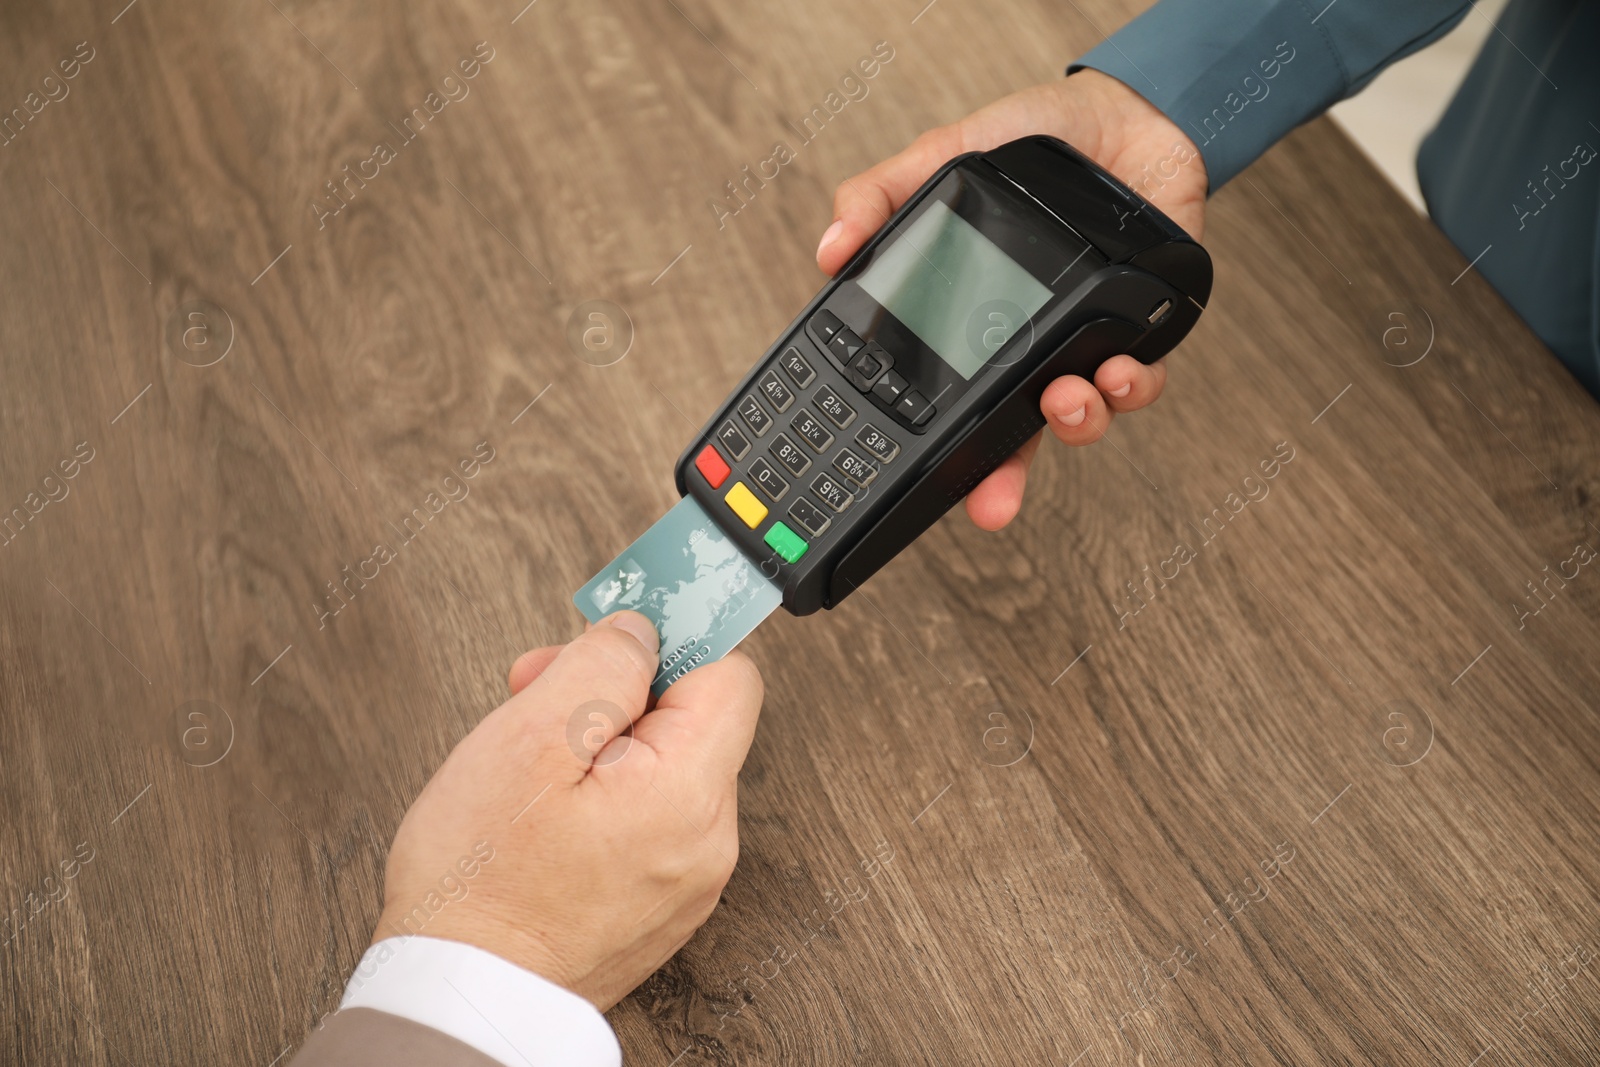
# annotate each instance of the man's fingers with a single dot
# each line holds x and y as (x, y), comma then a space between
(612, 663)
(1075, 410)
(862, 204)
(703, 724)
(530, 665)
(996, 500)
(1129, 385)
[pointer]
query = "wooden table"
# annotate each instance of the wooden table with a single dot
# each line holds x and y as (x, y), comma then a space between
(1328, 795)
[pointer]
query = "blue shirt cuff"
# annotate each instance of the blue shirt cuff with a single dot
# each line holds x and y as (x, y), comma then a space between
(1235, 80)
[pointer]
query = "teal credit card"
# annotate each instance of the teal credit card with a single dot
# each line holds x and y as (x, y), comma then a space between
(701, 591)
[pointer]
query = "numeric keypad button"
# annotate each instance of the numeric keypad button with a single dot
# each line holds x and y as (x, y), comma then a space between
(755, 415)
(808, 516)
(779, 395)
(854, 467)
(790, 455)
(796, 367)
(767, 477)
(874, 440)
(832, 492)
(833, 407)
(811, 431)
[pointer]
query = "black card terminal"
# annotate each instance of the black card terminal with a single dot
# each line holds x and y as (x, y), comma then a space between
(918, 369)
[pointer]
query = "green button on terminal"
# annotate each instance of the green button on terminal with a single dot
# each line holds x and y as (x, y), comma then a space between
(785, 542)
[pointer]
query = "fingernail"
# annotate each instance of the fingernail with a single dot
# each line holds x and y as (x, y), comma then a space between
(1123, 391)
(1074, 418)
(830, 235)
(638, 627)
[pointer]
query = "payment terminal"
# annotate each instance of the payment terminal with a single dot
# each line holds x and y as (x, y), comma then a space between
(909, 378)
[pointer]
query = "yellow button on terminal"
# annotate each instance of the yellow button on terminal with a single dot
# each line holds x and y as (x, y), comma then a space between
(745, 505)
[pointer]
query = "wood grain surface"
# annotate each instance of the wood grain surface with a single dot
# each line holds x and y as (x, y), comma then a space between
(1327, 796)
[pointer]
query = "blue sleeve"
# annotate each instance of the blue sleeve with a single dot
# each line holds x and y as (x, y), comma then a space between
(1237, 75)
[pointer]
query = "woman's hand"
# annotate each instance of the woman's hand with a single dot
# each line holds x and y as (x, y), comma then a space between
(1115, 127)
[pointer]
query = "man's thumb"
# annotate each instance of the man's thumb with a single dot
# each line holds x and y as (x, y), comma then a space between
(613, 663)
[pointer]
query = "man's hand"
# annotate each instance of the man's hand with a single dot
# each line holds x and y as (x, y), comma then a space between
(606, 852)
(1115, 127)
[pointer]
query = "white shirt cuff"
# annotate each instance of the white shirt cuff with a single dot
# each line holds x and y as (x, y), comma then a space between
(510, 1015)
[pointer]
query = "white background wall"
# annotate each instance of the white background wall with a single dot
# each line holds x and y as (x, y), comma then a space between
(1392, 115)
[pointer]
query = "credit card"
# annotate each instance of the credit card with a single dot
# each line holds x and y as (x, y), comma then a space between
(703, 594)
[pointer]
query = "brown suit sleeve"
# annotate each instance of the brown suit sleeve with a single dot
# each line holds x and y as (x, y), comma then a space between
(364, 1037)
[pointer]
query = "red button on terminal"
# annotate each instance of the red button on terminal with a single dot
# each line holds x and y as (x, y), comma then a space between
(710, 463)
